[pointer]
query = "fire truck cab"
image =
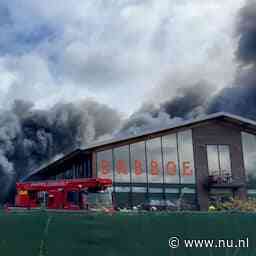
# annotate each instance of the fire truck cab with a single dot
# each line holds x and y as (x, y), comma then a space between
(77, 194)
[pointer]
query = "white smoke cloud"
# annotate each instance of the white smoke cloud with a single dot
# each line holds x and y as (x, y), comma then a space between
(110, 49)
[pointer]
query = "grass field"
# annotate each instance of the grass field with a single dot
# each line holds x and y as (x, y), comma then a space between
(53, 234)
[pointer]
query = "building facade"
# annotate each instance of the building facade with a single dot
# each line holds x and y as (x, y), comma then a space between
(187, 166)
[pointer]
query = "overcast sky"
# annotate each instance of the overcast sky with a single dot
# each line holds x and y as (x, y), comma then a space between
(121, 53)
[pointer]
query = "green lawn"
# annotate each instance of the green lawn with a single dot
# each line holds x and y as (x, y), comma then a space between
(122, 234)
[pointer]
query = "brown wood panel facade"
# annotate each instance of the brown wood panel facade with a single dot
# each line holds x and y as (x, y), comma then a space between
(213, 133)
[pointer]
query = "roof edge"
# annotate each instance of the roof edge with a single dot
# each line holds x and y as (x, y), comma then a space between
(174, 126)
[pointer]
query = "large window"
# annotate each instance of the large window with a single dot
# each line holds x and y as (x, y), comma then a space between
(249, 152)
(186, 157)
(105, 164)
(122, 164)
(213, 159)
(225, 162)
(154, 158)
(79, 168)
(170, 157)
(68, 174)
(138, 162)
(87, 168)
(218, 160)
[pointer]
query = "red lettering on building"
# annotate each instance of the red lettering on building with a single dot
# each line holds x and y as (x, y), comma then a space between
(171, 168)
(105, 167)
(121, 167)
(187, 169)
(138, 167)
(154, 168)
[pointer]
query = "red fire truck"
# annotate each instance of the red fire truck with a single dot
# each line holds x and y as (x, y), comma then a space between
(76, 194)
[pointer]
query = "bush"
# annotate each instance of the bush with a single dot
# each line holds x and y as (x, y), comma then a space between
(236, 204)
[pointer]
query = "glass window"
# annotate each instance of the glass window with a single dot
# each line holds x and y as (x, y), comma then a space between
(219, 162)
(122, 189)
(172, 190)
(87, 168)
(154, 157)
(51, 178)
(172, 199)
(139, 189)
(171, 166)
(156, 199)
(156, 190)
(122, 200)
(76, 167)
(105, 164)
(122, 164)
(60, 176)
(68, 174)
(138, 162)
(188, 201)
(75, 172)
(225, 163)
(182, 199)
(213, 159)
(251, 193)
(188, 191)
(80, 171)
(139, 199)
(87, 171)
(98, 199)
(186, 157)
(249, 152)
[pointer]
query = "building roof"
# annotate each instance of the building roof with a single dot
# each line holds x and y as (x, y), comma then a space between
(58, 162)
(238, 120)
(220, 115)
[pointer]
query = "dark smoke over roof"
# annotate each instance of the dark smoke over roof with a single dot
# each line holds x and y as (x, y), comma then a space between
(199, 98)
(31, 137)
(246, 31)
(240, 98)
(188, 100)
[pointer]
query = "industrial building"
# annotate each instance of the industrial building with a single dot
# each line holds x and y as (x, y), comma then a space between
(187, 165)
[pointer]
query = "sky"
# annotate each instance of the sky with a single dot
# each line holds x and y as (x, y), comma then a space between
(122, 53)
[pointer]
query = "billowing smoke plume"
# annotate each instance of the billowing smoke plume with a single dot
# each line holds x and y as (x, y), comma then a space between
(200, 98)
(246, 30)
(240, 98)
(148, 118)
(189, 102)
(31, 137)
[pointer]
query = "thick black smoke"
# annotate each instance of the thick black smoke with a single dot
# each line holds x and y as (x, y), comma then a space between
(240, 98)
(199, 99)
(189, 102)
(31, 137)
(246, 31)
(148, 118)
